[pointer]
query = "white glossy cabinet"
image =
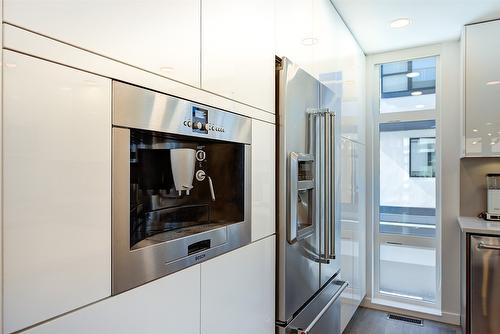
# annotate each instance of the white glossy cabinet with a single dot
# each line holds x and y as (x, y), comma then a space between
(238, 51)
(353, 228)
(160, 36)
(57, 189)
(482, 89)
(312, 34)
(263, 179)
(237, 291)
(294, 31)
(167, 305)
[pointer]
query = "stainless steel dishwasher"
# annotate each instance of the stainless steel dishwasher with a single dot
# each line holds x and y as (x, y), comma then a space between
(484, 285)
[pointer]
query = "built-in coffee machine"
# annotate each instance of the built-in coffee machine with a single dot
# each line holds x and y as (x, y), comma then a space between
(181, 184)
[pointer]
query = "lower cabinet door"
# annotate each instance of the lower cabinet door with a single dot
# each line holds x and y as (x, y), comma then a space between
(168, 305)
(237, 291)
(57, 189)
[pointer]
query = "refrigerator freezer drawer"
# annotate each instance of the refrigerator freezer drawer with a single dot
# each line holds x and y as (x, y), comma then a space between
(321, 315)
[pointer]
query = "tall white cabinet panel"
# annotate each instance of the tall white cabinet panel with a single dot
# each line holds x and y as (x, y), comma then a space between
(482, 89)
(238, 50)
(263, 179)
(339, 63)
(57, 189)
(237, 291)
(167, 305)
(161, 36)
(353, 228)
(294, 32)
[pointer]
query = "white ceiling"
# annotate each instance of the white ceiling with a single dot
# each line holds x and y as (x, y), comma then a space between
(432, 21)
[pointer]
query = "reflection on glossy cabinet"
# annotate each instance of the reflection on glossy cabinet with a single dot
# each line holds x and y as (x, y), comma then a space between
(353, 229)
(312, 34)
(263, 179)
(57, 189)
(238, 51)
(339, 63)
(294, 31)
(482, 89)
(237, 290)
(159, 36)
(168, 305)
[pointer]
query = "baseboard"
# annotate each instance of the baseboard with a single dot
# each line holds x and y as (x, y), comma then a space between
(444, 317)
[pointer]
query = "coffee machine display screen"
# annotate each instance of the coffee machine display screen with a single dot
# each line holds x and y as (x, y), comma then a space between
(200, 120)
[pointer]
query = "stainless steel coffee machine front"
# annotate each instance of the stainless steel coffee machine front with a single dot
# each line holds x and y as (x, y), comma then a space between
(181, 184)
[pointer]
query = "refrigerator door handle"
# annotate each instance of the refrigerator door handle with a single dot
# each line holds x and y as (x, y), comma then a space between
(331, 117)
(326, 188)
(321, 313)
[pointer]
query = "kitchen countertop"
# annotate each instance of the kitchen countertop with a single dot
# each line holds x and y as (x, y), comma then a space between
(478, 225)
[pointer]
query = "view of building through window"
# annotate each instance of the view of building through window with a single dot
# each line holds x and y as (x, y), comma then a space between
(406, 234)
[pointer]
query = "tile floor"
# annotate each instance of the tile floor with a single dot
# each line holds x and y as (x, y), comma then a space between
(367, 321)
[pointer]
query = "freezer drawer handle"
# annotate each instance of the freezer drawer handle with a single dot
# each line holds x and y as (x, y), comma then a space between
(323, 311)
(482, 245)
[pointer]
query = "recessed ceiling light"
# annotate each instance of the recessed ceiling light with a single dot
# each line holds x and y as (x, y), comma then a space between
(309, 41)
(166, 69)
(489, 124)
(400, 23)
(474, 130)
(420, 106)
(416, 93)
(495, 82)
(413, 74)
(474, 142)
(489, 134)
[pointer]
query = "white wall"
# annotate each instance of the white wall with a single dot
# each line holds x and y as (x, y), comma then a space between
(397, 188)
(448, 125)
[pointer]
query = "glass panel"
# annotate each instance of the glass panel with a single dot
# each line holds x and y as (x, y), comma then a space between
(395, 67)
(408, 271)
(423, 157)
(408, 85)
(407, 203)
(395, 83)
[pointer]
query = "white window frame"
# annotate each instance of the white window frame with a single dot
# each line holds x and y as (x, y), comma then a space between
(373, 236)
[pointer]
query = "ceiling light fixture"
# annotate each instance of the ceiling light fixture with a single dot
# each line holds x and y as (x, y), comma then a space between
(474, 130)
(491, 83)
(309, 41)
(166, 69)
(413, 74)
(400, 23)
(416, 93)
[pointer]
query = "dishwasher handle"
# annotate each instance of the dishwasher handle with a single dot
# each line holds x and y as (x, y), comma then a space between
(482, 245)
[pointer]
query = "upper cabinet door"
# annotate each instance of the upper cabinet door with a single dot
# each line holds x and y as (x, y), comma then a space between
(294, 32)
(161, 36)
(482, 89)
(57, 189)
(339, 63)
(238, 51)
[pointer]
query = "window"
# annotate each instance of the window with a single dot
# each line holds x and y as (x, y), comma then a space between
(423, 157)
(408, 78)
(406, 222)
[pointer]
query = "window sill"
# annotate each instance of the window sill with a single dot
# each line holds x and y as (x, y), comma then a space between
(406, 306)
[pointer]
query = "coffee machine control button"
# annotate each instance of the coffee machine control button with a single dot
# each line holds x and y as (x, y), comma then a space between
(206, 127)
(187, 123)
(200, 155)
(200, 175)
(197, 125)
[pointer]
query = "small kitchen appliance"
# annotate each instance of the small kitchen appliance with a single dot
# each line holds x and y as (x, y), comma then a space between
(493, 197)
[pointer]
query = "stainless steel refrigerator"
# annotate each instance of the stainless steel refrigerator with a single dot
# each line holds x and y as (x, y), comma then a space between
(308, 248)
